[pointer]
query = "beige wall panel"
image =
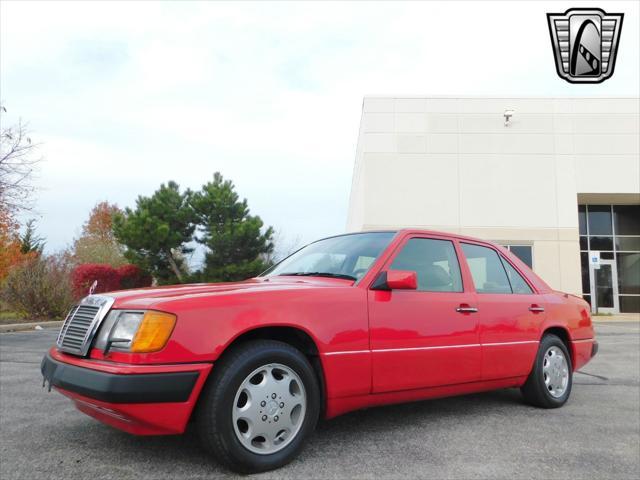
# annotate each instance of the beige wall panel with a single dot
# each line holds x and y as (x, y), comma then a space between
(411, 122)
(379, 142)
(546, 262)
(377, 122)
(410, 104)
(605, 105)
(607, 173)
(497, 191)
(569, 267)
(415, 189)
(442, 123)
(378, 105)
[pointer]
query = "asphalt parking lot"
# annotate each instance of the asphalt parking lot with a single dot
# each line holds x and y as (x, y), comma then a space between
(491, 435)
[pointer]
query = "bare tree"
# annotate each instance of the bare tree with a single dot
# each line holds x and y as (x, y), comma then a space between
(18, 162)
(284, 246)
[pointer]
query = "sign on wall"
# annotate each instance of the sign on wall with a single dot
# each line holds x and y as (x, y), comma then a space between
(594, 259)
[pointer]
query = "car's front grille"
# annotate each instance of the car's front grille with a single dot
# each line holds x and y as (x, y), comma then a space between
(77, 325)
(81, 323)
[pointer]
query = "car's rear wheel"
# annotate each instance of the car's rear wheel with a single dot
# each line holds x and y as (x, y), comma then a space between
(549, 383)
(259, 406)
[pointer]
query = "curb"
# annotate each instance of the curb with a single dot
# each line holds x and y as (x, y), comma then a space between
(19, 327)
(626, 318)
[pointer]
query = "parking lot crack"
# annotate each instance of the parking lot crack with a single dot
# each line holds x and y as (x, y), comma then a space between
(593, 375)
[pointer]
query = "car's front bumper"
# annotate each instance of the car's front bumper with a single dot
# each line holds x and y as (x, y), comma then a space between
(140, 399)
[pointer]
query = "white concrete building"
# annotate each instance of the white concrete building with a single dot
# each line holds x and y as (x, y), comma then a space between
(551, 178)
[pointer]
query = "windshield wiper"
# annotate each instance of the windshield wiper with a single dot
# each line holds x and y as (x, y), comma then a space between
(319, 274)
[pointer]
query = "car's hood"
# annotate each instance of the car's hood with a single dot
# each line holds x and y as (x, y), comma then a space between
(148, 297)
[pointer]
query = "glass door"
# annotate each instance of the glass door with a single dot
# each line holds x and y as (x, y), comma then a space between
(605, 286)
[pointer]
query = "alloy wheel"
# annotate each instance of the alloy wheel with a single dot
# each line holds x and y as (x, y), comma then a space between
(269, 408)
(555, 372)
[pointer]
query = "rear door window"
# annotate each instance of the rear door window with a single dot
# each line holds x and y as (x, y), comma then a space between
(487, 271)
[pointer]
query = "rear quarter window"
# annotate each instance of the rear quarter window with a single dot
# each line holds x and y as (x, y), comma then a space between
(518, 284)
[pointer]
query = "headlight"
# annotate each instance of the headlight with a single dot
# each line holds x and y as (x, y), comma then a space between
(135, 331)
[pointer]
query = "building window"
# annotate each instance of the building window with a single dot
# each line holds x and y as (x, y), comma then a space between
(627, 219)
(582, 219)
(523, 252)
(629, 303)
(599, 220)
(614, 231)
(586, 283)
(601, 243)
(629, 273)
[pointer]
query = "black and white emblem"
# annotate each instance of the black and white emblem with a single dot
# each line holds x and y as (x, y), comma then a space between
(585, 43)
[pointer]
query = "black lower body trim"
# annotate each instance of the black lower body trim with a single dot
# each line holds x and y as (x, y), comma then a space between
(114, 388)
(594, 349)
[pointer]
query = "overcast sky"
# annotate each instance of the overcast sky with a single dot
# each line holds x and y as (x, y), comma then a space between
(124, 95)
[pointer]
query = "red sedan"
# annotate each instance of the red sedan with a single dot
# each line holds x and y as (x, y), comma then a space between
(347, 322)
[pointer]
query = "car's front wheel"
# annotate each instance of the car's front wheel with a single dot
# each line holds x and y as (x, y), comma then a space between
(549, 383)
(261, 403)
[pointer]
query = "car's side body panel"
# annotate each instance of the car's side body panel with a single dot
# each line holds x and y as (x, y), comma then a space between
(507, 326)
(374, 347)
(343, 405)
(411, 328)
(508, 330)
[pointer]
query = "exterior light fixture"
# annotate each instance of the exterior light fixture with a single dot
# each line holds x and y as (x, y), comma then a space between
(507, 116)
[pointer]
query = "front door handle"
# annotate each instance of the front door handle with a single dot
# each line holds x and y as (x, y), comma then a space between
(536, 308)
(466, 309)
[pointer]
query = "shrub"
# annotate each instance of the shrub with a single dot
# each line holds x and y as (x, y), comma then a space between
(40, 287)
(97, 244)
(132, 276)
(97, 250)
(83, 276)
(108, 278)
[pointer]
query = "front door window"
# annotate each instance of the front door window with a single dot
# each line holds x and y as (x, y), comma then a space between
(435, 263)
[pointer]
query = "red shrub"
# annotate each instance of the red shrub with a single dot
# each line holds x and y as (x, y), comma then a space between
(108, 277)
(83, 276)
(131, 276)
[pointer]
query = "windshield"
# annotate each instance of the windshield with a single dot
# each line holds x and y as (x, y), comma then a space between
(346, 256)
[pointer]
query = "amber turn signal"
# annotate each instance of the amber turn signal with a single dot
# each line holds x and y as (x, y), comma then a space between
(153, 333)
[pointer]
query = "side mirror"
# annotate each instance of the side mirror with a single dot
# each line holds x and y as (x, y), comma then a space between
(396, 280)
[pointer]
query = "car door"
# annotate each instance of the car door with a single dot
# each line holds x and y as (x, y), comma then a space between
(429, 336)
(509, 311)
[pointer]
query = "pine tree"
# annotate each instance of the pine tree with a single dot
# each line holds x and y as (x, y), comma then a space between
(236, 246)
(30, 241)
(157, 231)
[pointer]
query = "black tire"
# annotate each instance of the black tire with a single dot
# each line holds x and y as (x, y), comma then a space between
(214, 414)
(534, 390)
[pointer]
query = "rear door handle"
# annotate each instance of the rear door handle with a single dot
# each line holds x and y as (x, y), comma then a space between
(466, 309)
(536, 309)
